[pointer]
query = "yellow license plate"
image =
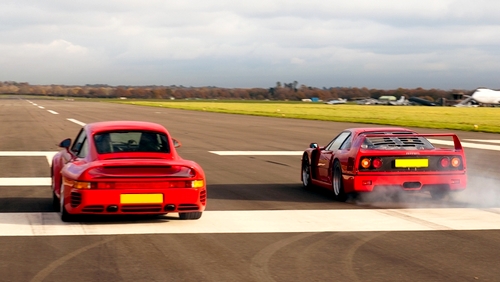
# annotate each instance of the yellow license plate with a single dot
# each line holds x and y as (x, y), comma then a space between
(141, 198)
(412, 163)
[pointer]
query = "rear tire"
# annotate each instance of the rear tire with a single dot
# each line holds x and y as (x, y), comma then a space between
(56, 206)
(338, 183)
(190, 215)
(65, 216)
(306, 173)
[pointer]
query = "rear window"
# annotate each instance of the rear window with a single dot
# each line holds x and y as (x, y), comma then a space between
(131, 141)
(396, 143)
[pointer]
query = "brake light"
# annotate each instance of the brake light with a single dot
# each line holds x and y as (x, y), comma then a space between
(455, 162)
(105, 185)
(444, 162)
(365, 163)
(377, 163)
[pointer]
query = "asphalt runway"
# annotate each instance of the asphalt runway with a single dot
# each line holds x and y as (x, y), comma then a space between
(260, 225)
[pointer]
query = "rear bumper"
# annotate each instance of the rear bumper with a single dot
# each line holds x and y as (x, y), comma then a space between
(109, 201)
(369, 183)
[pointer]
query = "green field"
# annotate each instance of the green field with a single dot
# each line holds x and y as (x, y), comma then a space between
(484, 119)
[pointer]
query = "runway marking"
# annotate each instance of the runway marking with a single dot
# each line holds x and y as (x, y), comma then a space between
(25, 181)
(484, 140)
(41, 107)
(467, 145)
(52, 112)
(257, 153)
(269, 221)
(76, 121)
(48, 154)
(298, 153)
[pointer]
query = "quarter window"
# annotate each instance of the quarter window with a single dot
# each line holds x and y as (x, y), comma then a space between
(338, 141)
(78, 142)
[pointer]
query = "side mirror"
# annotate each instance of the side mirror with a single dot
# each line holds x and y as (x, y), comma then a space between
(65, 143)
(177, 144)
(313, 145)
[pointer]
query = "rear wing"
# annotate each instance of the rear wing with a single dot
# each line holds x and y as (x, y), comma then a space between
(143, 169)
(407, 140)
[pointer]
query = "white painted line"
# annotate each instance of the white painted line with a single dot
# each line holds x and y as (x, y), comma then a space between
(26, 153)
(41, 107)
(52, 112)
(77, 121)
(257, 153)
(48, 154)
(298, 153)
(484, 141)
(270, 221)
(34, 104)
(25, 181)
(466, 145)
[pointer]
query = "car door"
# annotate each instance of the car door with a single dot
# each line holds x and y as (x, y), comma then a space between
(326, 157)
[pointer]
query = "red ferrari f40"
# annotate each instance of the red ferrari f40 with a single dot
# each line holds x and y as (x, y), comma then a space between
(125, 167)
(385, 159)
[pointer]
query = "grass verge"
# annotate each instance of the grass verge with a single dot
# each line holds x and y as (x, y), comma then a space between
(484, 119)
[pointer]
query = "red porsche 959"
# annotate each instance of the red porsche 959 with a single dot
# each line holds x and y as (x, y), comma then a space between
(387, 160)
(125, 167)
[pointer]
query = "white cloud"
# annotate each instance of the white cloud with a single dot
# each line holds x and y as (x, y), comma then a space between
(385, 43)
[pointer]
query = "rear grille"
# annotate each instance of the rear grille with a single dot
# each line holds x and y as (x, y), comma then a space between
(141, 208)
(187, 207)
(95, 208)
(76, 199)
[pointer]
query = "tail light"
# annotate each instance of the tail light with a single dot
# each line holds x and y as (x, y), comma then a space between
(366, 163)
(105, 185)
(444, 162)
(377, 163)
(84, 185)
(187, 184)
(456, 162)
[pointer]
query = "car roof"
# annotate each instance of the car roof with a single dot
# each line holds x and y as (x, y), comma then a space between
(124, 125)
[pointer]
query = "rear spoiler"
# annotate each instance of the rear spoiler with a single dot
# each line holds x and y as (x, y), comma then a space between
(456, 141)
(165, 169)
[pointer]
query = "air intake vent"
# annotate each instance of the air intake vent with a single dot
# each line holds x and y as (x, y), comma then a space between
(381, 142)
(203, 197)
(76, 199)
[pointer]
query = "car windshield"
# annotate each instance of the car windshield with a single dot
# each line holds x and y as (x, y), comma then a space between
(131, 141)
(396, 143)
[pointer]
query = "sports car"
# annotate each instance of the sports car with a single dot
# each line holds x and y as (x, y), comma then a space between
(125, 167)
(385, 159)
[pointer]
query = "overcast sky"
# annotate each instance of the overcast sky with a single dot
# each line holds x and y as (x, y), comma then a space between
(384, 44)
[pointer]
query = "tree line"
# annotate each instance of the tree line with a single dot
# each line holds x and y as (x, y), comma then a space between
(281, 91)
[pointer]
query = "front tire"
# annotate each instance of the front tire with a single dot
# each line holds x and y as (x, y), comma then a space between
(306, 173)
(338, 183)
(190, 215)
